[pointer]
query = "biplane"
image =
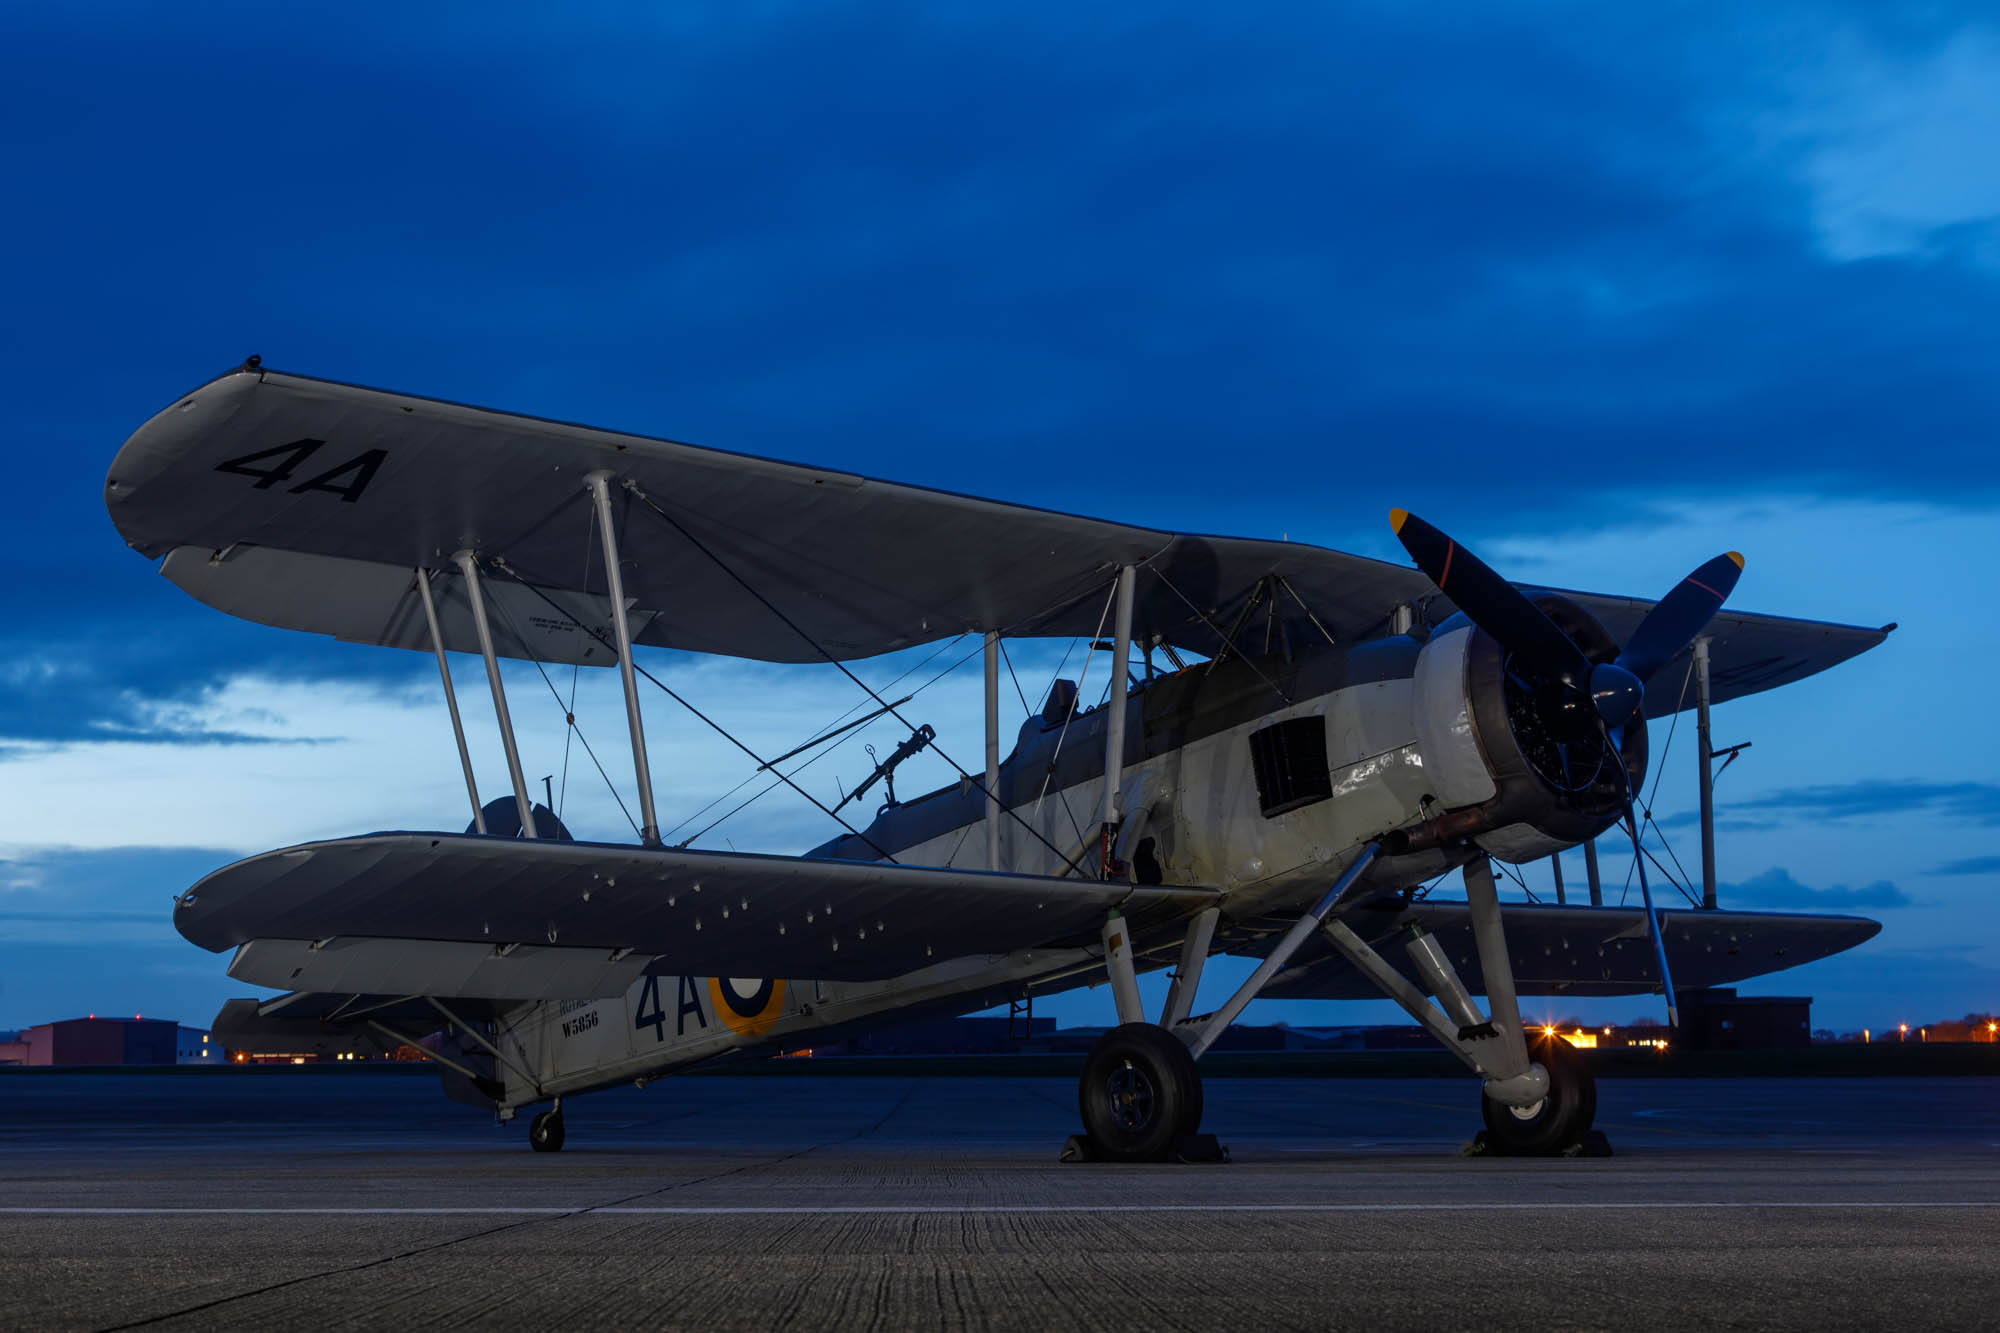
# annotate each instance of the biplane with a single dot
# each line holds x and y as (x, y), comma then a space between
(1293, 745)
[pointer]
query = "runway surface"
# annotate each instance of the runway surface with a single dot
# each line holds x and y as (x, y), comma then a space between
(312, 1200)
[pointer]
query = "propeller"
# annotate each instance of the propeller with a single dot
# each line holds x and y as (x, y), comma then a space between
(1578, 697)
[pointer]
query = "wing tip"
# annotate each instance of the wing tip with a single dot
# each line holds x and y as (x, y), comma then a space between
(1735, 558)
(1397, 518)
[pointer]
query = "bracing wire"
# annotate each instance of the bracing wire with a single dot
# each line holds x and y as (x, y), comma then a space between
(704, 718)
(1005, 656)
(823, 733)
(570, 717)
(758, 795)
(1056, 755)
(575, 670)
(743, 583)
(1221, 635)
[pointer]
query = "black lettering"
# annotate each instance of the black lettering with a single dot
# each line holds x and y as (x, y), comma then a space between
(364, 466)
(690, 1004)
(295, 453)
(657, 1020)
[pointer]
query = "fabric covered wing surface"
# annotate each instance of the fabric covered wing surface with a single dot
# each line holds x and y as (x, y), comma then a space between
(703, 913)
(307, 504)
(1566, 950)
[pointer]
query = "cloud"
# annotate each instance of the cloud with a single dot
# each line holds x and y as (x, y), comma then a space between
(1971, 865)
(1776, 888)
(111, 896)
(1962, 801)
(1897, 144)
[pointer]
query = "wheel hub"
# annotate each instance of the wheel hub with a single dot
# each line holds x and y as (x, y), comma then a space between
(1131, 1094)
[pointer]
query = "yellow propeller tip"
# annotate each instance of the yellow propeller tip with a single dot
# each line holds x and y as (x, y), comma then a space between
(1737, 556)
(1397, 518)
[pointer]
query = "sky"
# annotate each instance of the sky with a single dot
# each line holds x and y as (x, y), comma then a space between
(1602, 291)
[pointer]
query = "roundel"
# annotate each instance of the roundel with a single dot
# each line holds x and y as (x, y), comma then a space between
(749, 1005)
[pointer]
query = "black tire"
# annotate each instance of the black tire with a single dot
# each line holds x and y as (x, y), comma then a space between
(545, 1132)
(1139, 1094)
(1561, 1118)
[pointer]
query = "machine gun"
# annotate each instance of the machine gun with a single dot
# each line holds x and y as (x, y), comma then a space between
(885, 769)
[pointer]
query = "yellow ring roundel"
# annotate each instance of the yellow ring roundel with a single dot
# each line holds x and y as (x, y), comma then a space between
(747, 1005)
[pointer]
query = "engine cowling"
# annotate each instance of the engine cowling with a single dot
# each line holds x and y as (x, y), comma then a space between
(1519, 770)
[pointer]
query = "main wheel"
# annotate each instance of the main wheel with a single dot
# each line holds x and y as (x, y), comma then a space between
(1557, 1120)
(1139, 1093)
(545, 1132)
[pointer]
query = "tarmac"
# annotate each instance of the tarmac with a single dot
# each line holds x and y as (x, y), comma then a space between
(323, 1198)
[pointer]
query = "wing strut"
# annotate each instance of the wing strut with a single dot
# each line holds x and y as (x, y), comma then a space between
(1114, 730)
(450, 699)
(468, 564)
(649, 832)
(992, 672)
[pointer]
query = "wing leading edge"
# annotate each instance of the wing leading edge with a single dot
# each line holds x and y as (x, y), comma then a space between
(456, 915)
(1576, 950)
(308, 504)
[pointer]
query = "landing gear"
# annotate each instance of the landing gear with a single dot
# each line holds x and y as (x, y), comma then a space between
(1139, 1095)
(545, 1131)
(1558, 1121)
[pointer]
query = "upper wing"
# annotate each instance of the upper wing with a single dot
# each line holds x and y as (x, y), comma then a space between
(452, 915)
(308, 504)
(1576, 950)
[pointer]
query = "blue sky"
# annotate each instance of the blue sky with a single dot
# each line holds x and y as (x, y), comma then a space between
(1602, 292)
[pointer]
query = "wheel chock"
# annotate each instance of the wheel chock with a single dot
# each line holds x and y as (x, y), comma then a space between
(1592, 1144)
(1190, 1149)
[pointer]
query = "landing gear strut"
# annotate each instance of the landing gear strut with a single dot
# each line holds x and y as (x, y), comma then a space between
(1558, 1121)
(545, 1131)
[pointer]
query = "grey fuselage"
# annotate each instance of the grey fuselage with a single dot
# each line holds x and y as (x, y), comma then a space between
(1192, 814)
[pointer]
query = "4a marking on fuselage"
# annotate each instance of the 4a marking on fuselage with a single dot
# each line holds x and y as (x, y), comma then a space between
(650, 1013)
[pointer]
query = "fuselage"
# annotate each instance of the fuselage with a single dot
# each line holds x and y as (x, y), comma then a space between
(1196, 810)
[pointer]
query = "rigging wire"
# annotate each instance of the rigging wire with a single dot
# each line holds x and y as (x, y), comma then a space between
(824, 733)
(652, 504)
(575, 668)
(1063, 735)
(751, 800)
(501, 564)
(1227, 643)
(569, 717)
(1005, 656)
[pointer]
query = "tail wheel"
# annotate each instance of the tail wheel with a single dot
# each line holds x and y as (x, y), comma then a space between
(545, 1132)
(1556, 1121)
(1139, 1094)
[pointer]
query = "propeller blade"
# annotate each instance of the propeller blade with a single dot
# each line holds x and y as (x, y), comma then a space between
(1680, 616)
(1492, 603)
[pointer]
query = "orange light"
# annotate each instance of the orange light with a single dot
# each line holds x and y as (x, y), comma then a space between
(1548, 1032)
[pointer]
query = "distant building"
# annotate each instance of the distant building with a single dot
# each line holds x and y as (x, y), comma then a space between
(193, 1046)
(109, 1041)
(1718, 1019)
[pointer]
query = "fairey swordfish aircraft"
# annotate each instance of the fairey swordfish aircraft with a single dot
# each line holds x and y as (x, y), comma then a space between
(1325, 735)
